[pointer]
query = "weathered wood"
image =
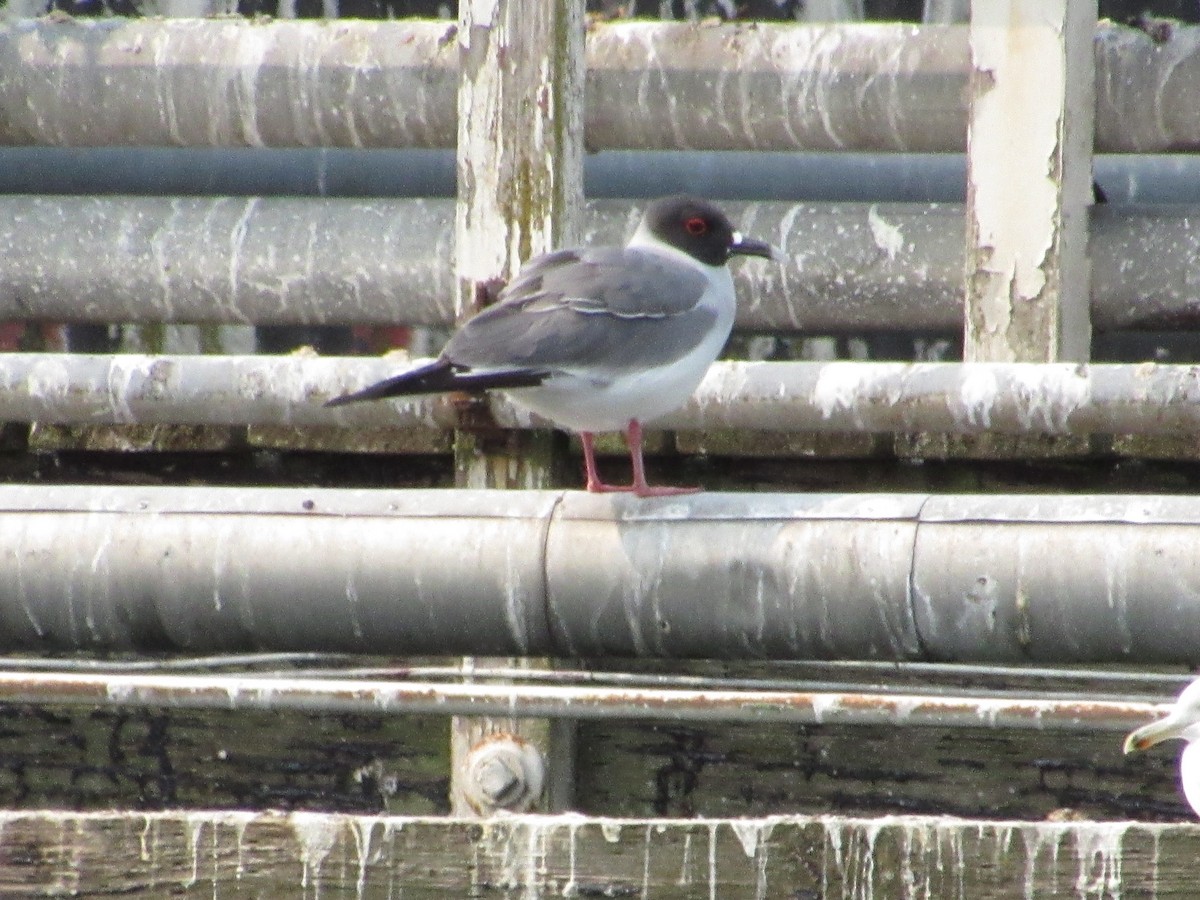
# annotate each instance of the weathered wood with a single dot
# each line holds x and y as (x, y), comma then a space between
(1029, 171)
(180, 759)
(247, 855)
(520, 179)
(93, 759)
(520, 194)
(671, 769)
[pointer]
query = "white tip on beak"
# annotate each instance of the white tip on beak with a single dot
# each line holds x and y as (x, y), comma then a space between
(744, 246)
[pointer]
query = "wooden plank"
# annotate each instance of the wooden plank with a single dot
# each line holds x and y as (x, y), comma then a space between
(520, 184)
(97, 759)
(679, 770)
(1029, 148)
(178, 759)
(520, 193)
(200, 854)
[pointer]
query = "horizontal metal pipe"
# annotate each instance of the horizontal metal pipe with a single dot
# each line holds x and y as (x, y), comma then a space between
(794, 176)
(230, 82)
(1053, 683)
(747, 175)
(573, 702)
(779, 576)
(848, 267)
(243, 260)
(952, 398)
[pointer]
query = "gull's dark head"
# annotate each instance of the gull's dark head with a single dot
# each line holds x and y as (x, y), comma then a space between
(701, 230)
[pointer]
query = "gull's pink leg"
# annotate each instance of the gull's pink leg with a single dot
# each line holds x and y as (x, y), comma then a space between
(594, 484)
(633, 436)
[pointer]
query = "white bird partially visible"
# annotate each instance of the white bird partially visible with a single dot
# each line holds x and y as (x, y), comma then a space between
(601, 338)
(1183, 722)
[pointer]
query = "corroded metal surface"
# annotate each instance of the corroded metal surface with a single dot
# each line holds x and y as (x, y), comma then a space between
(948, 398)
(953, 398)
(774, 87)
(229, 82)
(274, 582)
(245, 692)
(784, 576)
(244, 260)
(800, 577)
(848, 266)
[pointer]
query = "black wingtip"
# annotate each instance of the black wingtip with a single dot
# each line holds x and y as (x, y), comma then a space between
(438, 377)
(427, 379)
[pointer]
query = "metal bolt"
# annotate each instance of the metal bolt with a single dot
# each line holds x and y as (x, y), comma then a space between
(503, 772)
(497, 780)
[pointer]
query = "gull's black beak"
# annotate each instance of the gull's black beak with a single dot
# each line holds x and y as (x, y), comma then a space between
(744, 246)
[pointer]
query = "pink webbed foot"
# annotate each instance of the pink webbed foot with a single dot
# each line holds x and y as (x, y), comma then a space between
(640, 487)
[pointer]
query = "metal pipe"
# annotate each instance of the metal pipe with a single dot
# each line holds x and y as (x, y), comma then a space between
(1031, 579)
(796, 176)
(612, 174)
(229, 260)
(229, 82)
(838, 676)
(951, 398)
(574, 702)
(849, 267)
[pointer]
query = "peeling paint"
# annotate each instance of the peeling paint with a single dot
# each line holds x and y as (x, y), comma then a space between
(1027, 296)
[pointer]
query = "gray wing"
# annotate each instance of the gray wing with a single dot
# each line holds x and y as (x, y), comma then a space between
(605, 308)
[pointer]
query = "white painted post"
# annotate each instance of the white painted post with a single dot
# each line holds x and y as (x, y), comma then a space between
(1029, 153)
(520, 193)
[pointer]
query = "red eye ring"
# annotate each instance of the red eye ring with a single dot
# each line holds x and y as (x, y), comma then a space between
(696, 226)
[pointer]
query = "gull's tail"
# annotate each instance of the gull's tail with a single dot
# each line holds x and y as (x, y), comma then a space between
(441, 376)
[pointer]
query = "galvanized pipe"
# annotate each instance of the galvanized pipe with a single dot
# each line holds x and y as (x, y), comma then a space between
(812, 177)
(230, 82)
(898, 577)
(242, 260)
(823, 676)
(952, 398)
(554, 701)
(848, 267)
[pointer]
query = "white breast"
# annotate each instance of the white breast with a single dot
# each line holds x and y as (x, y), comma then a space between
(588, 401)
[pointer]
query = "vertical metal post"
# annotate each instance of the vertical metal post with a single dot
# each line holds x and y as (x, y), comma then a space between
(520, 193)
(1029, 151)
